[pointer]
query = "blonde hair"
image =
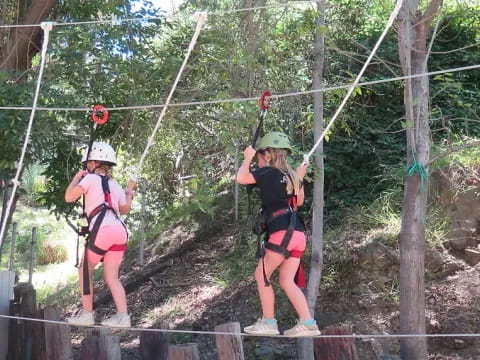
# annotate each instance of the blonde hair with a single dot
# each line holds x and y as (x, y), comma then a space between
(106, 169)
(278, 159)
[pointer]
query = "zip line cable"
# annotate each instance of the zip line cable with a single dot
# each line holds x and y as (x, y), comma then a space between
(118, 21)
(201, 18)
(201, 332)
(234, 100)
(390, 21)
(46, 27)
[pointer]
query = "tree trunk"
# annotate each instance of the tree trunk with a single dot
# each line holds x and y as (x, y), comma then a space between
(24, 42)
(412, 39)
(305, 346)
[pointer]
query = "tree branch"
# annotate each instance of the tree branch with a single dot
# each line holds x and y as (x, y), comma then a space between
(451, 151)
(431, 11)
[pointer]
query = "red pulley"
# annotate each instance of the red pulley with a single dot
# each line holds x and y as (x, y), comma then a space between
(100, 114)
(265, 104)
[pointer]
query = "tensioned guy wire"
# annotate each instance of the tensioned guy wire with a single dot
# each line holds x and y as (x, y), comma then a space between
(46, 27)
(234, 100)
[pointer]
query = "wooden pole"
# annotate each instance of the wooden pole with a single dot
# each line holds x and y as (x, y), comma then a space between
(12, 247)
(229, 347)
(99, 345)
(335, 348)
(183, 352)
(32, 254)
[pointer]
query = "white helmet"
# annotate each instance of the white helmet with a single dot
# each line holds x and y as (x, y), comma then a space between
(100, 152)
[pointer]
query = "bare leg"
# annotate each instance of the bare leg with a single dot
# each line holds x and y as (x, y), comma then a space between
(267, 297)
(288, 269)
(110, 275)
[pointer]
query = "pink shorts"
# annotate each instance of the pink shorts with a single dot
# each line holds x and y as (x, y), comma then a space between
(106, 237)
(298, 242)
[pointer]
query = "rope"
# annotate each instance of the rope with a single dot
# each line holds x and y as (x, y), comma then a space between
(392, 18)
(419, 168)
(201, 18)
(46, 27)
(118, 21)
(200, 332)
(235, 100)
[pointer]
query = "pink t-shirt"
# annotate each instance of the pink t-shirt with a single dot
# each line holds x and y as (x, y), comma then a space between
(92, 185)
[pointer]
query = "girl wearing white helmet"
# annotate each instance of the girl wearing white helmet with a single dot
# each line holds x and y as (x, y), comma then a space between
(281, 192)
(104, 199)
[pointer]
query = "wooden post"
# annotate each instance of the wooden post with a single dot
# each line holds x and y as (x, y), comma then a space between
(154, 345)
(229, 347)
(11, 260)
(99, 345)
(7, 279)
(32, 254)
(183, 352)
(58, 344)
(335, 348)
(38, 331)
(22, 333)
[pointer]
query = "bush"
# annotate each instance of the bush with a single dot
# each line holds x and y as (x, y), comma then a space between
(49, 253)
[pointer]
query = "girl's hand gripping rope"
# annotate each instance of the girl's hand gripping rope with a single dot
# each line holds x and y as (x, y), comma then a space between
(302, 169)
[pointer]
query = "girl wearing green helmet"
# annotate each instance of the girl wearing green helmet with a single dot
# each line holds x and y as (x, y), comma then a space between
(280, 186)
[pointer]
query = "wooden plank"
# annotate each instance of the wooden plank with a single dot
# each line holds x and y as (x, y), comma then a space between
(154, 345)
(229, 347)
(335, 348)
(187, 351)
(58, 344)
(7, 279)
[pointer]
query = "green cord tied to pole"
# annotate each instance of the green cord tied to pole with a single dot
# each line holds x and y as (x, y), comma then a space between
(420, 169)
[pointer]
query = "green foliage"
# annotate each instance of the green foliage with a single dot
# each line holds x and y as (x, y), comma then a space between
(33, 182)
(49, 246)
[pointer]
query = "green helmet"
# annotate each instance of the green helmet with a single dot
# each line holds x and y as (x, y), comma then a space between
(275, 140)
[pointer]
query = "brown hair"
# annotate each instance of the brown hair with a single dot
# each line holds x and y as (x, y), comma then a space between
(278, 159)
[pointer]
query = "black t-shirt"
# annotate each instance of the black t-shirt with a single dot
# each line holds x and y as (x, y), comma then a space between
(272, 183)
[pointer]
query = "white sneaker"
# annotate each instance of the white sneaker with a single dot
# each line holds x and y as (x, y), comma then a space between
(301, 330)
(81, 318)
(119, 320)
(261, 327)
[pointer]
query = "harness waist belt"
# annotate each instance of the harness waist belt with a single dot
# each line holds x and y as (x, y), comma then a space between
(278, 213)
